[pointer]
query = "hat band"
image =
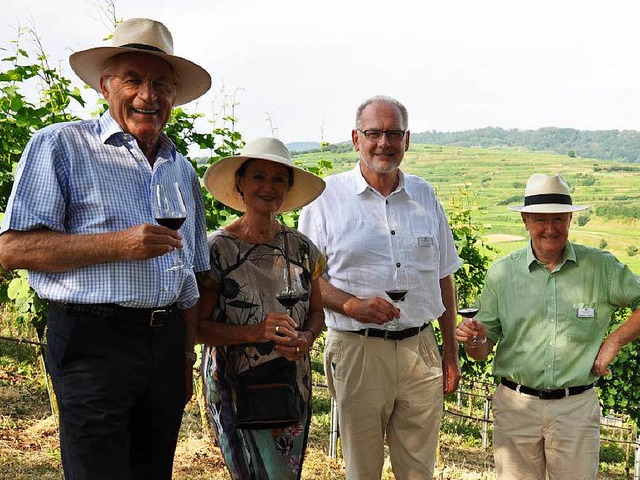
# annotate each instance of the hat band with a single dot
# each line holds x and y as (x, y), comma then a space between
(142, 46)
(547, 198)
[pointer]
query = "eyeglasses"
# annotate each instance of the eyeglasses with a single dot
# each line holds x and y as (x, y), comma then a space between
(392, 135)
(161, 86)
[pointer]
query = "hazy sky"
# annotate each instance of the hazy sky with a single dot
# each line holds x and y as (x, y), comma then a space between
(455, 64)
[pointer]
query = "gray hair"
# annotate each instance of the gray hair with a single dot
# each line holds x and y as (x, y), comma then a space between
(383, 99)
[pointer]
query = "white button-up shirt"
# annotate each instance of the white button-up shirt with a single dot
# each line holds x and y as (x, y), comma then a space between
(363, 235)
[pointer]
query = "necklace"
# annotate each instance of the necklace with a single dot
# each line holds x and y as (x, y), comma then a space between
(261, 237)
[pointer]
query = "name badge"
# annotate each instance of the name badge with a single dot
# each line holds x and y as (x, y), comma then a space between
(425, 241)
(586, 312)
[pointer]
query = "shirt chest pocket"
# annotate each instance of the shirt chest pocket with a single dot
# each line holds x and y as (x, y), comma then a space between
(582, 321)
(424, 249)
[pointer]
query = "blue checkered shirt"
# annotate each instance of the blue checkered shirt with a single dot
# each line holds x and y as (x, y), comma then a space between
(90, 177)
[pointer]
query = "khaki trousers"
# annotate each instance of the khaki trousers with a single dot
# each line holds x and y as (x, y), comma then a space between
(385, 386)
(533, 436)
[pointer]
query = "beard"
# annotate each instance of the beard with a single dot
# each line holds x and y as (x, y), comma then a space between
(379, 166)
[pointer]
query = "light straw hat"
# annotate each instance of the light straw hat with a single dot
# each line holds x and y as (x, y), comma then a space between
(547, 194)
(146, 36)
(220, 178)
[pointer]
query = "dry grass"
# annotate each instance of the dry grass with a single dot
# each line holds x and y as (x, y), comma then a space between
(29, 447)
(29, 444)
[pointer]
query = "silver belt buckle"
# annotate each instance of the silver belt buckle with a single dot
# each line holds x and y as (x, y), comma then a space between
(158, 317)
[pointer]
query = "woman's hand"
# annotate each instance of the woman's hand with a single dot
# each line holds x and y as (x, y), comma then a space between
(296, 348)
(279, 328)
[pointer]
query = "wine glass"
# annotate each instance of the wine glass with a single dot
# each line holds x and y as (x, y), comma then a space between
(170, 211)
(468, 307)
(396, 288)
(289, 289)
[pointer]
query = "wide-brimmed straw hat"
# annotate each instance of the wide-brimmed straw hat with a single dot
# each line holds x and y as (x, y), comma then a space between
(142, 35)
(220, 178)
(547, 194)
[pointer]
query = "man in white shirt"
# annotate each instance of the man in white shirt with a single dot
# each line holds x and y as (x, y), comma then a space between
(382, 361)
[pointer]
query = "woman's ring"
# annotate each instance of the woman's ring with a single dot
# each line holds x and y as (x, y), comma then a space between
(277, 328)
(297, 349)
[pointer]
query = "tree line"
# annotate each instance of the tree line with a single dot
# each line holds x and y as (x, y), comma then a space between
(622, 145)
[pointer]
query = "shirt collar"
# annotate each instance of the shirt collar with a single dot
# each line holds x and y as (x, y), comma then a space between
(361, 185)
(569, 255)
(110, 128)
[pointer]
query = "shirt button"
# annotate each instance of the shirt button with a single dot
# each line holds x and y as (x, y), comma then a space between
(393, 232)
(398, 264)
(166, 289)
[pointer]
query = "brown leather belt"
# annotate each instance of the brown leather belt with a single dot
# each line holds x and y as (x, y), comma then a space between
(152, 317)
(546, 394)
(391, 334)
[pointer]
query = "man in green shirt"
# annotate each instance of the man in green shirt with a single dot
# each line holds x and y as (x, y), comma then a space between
(547, 308)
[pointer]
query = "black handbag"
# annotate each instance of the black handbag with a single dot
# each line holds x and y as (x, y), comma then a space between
(267, 396)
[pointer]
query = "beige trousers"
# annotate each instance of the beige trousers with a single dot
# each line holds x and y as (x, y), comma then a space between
(385, 386)
(533, 436)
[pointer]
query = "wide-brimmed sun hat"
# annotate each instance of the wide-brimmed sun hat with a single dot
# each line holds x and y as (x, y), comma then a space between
(148, 36)
(547, 194)
(220, 178)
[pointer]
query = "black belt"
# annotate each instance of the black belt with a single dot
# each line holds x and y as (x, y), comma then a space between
(152, 317)
(546, 394)
(391, 334)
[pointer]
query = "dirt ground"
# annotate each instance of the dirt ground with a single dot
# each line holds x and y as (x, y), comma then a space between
(29, 447)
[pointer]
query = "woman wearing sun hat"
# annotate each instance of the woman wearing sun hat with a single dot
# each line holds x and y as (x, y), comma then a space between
(245, 330)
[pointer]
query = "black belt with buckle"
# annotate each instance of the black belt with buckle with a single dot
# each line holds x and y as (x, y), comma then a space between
(391, 334)
(152, 317)
(546, 394)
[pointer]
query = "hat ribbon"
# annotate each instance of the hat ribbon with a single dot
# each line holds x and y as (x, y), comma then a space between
(547, 198)
(142, 46)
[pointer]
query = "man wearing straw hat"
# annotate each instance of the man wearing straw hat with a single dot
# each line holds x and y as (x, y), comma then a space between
(121, 324)
(547, 308)
(382, 361)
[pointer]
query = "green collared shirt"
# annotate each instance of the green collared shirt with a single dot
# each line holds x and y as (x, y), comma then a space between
(548, 326)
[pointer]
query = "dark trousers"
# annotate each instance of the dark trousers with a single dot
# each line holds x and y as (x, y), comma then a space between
(120, 389)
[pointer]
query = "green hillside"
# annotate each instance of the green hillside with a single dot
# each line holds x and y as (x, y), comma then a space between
(498, 176)
(621, 145)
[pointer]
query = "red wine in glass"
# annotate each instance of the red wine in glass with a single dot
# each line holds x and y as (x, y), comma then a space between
(468, 312)
(170, 211)
(396, 295)
(174, 223)
(289, 289)
(288, 300)
(397, 286)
